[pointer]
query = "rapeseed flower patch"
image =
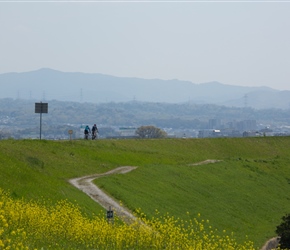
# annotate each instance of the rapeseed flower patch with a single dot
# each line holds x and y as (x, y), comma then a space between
(36, 225)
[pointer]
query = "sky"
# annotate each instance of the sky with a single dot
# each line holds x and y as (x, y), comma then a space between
(233, 42)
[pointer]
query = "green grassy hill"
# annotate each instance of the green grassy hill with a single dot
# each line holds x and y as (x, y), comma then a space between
(246, 192)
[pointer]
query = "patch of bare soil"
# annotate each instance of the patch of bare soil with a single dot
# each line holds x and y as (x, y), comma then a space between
(271, 244)
(204, 162)
(86, 185)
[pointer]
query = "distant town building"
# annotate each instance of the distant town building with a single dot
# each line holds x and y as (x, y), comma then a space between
(214, 124)
(251, 134)
(247, 125)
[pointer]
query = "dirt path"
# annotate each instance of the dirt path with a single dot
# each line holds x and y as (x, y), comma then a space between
(86, 185)
(204, 162)
(271, 244)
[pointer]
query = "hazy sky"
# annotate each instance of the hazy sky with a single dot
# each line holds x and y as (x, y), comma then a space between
(237, 43)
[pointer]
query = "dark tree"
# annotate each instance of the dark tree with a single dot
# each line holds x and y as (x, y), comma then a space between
(283, 231)
(150, 132)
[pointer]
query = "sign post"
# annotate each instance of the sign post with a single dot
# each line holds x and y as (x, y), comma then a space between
(110, 215)
(41, 108)
(70, 133)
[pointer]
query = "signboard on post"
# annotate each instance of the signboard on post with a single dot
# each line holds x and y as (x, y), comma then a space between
(70, 133)
(41, 108)
(110, 215)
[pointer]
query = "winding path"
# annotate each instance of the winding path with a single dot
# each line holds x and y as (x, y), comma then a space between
(86, 185)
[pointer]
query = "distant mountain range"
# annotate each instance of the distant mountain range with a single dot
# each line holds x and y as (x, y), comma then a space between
(48, 84)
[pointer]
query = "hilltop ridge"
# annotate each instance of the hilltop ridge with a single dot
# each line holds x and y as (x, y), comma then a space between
(52, 84)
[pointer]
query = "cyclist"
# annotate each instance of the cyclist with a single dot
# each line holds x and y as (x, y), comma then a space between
(94, 132)
(87, 131)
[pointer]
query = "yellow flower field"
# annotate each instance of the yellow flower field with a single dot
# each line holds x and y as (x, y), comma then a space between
(36, 225)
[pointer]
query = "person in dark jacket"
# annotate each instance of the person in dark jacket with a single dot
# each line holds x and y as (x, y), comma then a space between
(94, 131)
(87, 131)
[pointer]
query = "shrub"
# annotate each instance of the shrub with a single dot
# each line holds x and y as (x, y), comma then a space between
(283, 231)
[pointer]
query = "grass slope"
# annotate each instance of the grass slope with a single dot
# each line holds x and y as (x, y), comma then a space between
(246, 193)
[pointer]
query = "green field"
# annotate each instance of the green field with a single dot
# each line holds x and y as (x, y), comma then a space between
(246, 192)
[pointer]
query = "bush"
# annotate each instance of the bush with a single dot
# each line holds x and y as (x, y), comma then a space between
(283, 231)
(150, 132)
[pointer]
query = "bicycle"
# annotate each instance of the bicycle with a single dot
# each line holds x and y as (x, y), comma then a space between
(87, 136)
(94, 135)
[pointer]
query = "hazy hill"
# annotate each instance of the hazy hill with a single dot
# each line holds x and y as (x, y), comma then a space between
(48, 84)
